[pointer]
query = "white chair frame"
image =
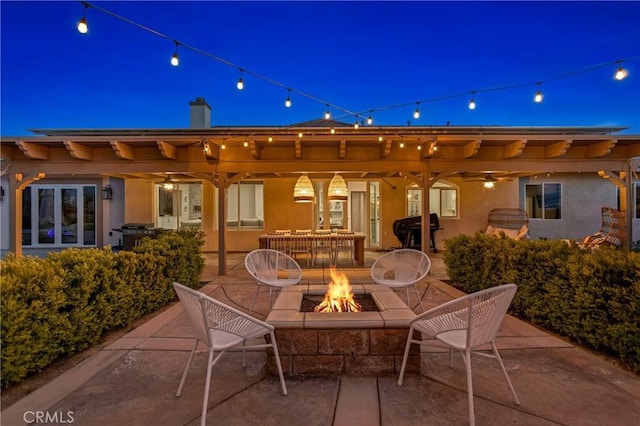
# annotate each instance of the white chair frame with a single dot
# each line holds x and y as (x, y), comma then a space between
(465, 324)
(273, 269)
(400, 269)
(220, 328)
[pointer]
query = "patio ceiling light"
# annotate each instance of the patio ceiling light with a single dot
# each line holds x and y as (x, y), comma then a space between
(303, 191)
(338, 190)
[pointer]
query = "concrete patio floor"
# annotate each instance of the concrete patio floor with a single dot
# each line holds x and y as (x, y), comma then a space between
(133, 380)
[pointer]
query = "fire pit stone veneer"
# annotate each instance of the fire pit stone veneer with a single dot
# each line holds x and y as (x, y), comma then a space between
(355, 343)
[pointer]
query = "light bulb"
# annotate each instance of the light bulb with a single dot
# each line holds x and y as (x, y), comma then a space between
(621, 73)
(538, 97)
(356, 125)
(270, 139)
(223, 146)
(419, 147)
(246, 144)
(300, 135)
(416, 113)
(327, 115)
(333, 131)
(287, 103)
(401, 144)
(472, 104)
(174, 60)
(82, 26)
(240, 84)
(380, 138)
(369, 120)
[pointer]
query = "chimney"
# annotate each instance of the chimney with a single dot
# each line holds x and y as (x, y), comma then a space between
(200, 112)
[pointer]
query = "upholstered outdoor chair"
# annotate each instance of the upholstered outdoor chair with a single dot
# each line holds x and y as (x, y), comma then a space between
(400, 269)
(273, 269)
(221, 328)
(465, 324)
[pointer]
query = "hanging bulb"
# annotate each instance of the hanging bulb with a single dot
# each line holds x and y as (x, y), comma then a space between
(327, 115)
(174, 58)
(270, 139)
(83, 28)
(333, 130)
(223, 146)
(369, 120)
(287, 103)
(356, 125)
(538, 97)
(419, 147)
(401, 144)
(380, 138)
(246, 144)
(300, 135)
(621, 73)
(472, 103)
(240, 83)
(416, 113)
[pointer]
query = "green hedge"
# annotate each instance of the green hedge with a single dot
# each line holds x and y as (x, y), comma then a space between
(64, 303)
(589, 296)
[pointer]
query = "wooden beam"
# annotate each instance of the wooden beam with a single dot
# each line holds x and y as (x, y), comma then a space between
(79, 151)
(514, 149)
(123, 150)
(557, 149)
(211, 151)
(298, 146)
(343, 148)
(33, 151)
(385, 149)
(167, 150)
(471, 149)
(254, 149)
(611, 176)
(22, 180)
(600, 149)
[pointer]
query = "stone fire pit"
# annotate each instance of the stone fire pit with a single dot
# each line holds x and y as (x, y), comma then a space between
(357, 343)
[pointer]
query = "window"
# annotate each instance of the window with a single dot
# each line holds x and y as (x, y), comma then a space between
(543, 201)
(245, 206)
(59, 215)
(443, 200)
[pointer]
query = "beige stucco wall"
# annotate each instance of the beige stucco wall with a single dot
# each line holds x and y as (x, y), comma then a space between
(138, 201)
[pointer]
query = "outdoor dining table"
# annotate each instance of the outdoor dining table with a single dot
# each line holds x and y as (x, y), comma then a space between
(358, 246)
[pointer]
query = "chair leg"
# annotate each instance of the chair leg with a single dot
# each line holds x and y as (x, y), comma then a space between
(504, 371)
(205, 399)
(255, 297)
(467, 363)
(415, 287)
(278, 364)
(406, 355)
(186, 369)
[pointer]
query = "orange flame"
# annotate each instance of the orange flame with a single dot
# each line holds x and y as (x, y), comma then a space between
(339, 296)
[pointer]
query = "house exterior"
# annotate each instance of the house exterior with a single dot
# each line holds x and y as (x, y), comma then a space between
(78, 187)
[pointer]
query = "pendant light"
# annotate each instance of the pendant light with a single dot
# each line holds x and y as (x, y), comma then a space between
(303, 192)
(338, 190)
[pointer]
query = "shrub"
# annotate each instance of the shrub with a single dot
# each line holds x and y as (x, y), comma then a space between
(589, 296)
(64, 303)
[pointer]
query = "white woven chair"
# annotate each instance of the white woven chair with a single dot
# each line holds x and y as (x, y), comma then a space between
(220, 328)
(465, 324)
(273, 269)
(402, 268)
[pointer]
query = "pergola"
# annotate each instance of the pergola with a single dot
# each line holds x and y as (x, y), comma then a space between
(224, 155)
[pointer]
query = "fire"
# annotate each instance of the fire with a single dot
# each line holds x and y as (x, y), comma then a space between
(339, 297)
